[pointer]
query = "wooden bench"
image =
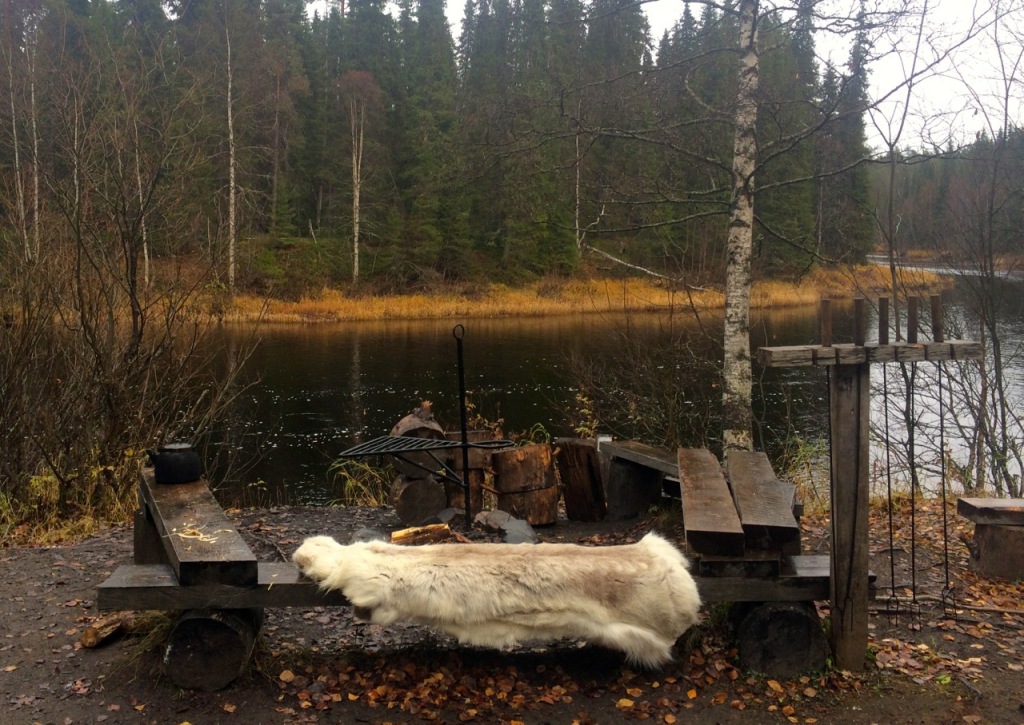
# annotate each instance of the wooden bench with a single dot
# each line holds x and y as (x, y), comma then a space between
(189, 557)
(998, 545)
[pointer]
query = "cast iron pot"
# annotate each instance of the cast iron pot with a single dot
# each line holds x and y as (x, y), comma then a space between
(175, 463)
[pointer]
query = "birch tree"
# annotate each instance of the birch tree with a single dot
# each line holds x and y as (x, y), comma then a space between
(361, 96)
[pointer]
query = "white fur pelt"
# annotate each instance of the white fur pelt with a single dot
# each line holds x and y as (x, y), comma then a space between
(638, 598)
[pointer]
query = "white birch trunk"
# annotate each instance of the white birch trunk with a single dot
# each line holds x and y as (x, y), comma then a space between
(35, 149)
(231, 168)
(19, 182)
(356, 123)
(736, 373)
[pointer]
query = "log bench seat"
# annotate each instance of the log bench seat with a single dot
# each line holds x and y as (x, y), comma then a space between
(997, 548)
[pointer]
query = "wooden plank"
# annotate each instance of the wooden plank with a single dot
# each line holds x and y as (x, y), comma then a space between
(799, 355)
(709, 515)
(201, 544)
(154, 586)
(765, 513)
(649, 456)
(1004, 511)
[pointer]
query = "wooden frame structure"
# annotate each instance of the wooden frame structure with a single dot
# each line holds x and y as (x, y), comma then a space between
(849, 405)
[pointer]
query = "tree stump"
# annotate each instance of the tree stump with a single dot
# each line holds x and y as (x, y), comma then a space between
(417, 499)
(210, 648)
(782, 639)
(418, 424)
(525, 482)
(580, 471)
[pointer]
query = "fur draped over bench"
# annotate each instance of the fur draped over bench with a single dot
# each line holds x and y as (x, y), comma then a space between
(637, 598)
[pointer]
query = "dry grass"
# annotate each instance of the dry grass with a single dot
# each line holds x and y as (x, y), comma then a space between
(559, 297)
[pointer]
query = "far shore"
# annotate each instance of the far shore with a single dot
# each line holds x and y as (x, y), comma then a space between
(572, 296)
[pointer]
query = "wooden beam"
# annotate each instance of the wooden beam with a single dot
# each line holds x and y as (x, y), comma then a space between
(154, 586)
(1005, 511)
(201, 543)
(709, 514)
(803, 355)
(804, 578)
(849, 404)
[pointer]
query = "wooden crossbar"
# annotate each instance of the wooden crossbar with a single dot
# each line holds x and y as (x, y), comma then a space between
(153, 587)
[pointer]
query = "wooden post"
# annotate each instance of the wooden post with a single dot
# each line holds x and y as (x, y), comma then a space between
(849, 405)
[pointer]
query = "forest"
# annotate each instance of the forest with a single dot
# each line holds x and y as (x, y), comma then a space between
(370, 140)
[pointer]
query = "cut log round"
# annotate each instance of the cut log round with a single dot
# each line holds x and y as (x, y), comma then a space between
(210, 648)
(525, 481)
(417, 499)
(782, 639)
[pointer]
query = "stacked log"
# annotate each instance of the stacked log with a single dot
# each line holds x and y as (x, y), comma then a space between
(416, 493)
(524, 479)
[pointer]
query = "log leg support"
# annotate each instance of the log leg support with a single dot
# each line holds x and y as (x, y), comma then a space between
(209, 648)
(781, 639)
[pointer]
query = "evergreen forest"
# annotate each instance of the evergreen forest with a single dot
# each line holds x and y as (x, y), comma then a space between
(378, 146)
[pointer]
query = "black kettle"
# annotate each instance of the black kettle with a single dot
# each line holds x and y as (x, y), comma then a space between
(175, 463)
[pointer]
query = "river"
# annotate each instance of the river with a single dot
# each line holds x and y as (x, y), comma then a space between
(319, 389)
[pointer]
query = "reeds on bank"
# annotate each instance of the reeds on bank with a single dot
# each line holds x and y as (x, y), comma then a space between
(556, 296)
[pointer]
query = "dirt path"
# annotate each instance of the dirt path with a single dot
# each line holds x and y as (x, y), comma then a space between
(321, 666)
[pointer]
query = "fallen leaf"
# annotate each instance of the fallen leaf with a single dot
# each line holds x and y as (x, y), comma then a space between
(624, 704)
(286, 676)
(775, 685)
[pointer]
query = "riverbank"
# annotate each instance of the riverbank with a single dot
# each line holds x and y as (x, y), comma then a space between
(561, 296)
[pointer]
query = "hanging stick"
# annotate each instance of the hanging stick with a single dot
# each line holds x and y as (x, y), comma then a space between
(892, 606)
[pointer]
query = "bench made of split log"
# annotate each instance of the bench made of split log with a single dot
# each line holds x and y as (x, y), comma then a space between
(997, 548)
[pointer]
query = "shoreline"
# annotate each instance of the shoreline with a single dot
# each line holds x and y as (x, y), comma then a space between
(549, 297)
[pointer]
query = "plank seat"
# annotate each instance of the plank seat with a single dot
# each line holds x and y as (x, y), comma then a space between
(155, 586)
(765, 510)
(1000, 511)
(199, 542)
(709, 516)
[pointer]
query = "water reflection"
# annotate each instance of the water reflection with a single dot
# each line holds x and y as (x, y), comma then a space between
(322, 388)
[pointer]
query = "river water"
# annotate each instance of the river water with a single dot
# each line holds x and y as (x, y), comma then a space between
(319, 389)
